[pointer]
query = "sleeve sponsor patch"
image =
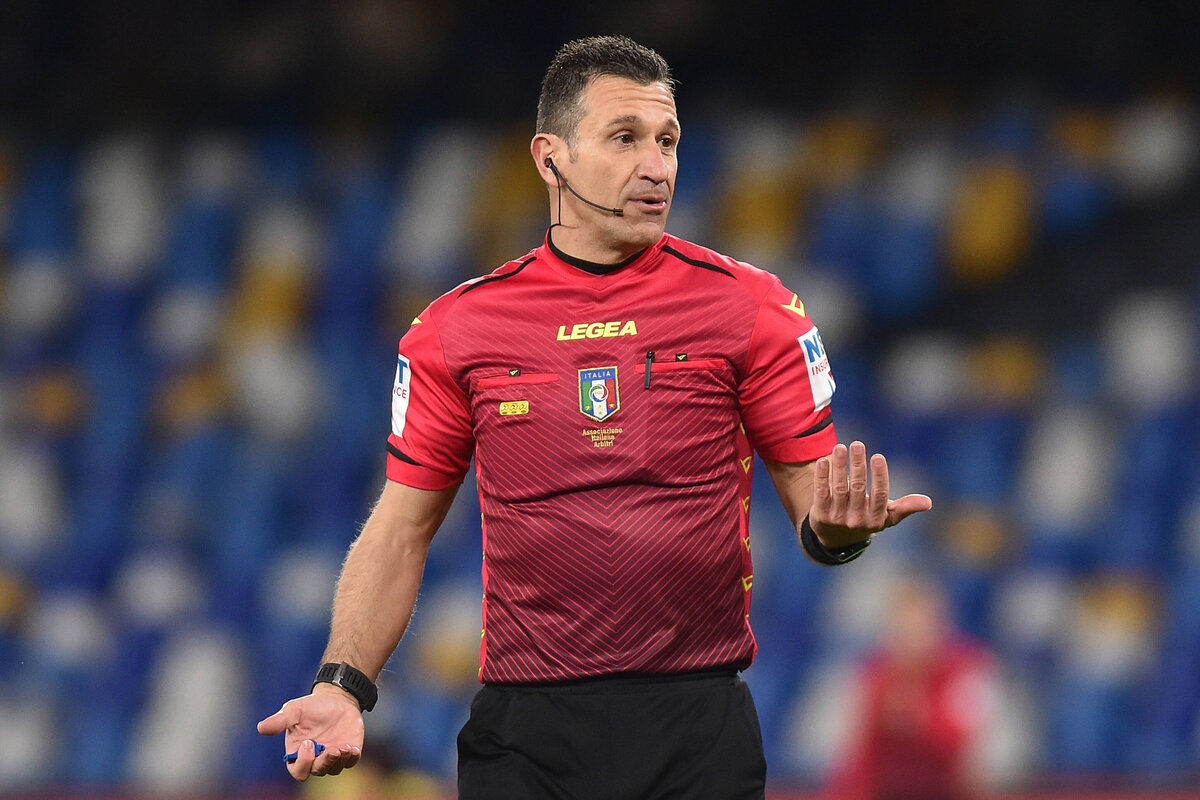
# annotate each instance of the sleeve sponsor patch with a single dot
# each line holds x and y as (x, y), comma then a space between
(820, 377)
(400, 394)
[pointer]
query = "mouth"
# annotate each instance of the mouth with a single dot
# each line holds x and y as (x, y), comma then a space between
(651, 204)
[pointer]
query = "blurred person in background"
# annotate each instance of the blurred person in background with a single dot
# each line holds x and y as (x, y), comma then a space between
(926, 696)
(610, 385)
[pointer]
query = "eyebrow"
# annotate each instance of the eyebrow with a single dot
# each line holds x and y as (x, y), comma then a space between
(634, 119)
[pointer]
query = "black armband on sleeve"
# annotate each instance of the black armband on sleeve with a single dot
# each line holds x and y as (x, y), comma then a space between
(822, 554)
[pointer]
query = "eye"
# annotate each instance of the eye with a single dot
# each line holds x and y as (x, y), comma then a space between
(625, 138)
(666, 142)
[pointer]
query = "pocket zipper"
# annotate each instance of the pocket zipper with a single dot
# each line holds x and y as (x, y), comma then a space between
(679, 363)
(516, 380)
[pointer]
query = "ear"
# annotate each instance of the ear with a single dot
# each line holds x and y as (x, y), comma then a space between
(544, 146)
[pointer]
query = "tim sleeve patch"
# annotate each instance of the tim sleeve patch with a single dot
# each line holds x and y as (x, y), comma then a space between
(401, 391)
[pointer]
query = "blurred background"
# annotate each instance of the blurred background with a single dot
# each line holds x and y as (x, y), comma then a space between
(218, 218)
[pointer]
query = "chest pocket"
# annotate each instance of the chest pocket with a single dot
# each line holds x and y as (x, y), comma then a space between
(517, 420)
(689, 411)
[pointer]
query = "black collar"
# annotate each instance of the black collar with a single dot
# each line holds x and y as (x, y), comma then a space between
(591, 266)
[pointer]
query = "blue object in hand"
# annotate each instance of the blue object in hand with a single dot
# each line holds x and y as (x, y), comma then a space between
(291, 757)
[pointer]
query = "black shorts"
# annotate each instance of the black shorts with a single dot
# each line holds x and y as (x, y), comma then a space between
(685, 737)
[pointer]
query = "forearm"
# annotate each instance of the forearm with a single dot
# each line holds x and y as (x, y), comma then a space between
(794, 484)
(375, 597)
(378, 586)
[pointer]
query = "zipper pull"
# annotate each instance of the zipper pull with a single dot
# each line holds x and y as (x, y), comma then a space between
(649, 362)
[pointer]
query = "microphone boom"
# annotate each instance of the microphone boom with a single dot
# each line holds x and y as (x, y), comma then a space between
(620, 212)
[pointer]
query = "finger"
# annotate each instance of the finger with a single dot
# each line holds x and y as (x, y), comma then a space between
(321, 763)
(336, 761)
(904, 506)
(880, 488)
(839, 489)
(348, 757)
(837, 466)
(280, 721)
(302, 767)
(858, 472)
(821, 498)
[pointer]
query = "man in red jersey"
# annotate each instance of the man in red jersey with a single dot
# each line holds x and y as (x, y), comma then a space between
(611, 385)
(926, 697)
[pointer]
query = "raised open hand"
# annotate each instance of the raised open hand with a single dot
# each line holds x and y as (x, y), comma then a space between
(845, 509)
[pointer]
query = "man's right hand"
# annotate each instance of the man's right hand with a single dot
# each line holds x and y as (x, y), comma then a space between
(329, 716)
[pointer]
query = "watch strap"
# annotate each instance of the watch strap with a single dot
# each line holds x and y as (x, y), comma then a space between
(353, 681)
(824, 555)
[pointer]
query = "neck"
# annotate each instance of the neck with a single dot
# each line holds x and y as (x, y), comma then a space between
(584, 245)
(587, 264)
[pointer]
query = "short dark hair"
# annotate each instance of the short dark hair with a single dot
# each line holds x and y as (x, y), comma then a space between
(577, 63)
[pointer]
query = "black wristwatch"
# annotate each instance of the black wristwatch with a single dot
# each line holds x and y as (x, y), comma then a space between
(822, 554)
(342, 675)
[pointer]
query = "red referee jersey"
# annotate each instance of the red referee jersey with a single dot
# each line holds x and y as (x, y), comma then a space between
(611, 418)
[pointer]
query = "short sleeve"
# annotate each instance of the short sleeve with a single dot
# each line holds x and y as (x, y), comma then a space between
(787, 384)
(431, 441)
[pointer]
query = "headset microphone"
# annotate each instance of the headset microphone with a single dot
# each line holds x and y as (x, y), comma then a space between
(620, 212)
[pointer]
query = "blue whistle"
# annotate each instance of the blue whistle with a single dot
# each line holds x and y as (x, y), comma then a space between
(290, 758)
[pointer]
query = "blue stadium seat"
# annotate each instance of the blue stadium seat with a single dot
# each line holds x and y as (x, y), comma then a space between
(1085, 725)
(842, 231)
(902, 276)
(96, 728)
(1078, 370)
(1169, 707)
(286, 161)
(980, 454)
(252, 518)
(201, 244)
(43, 217)
(431, 724)
(1073, 200)
(1147, 484)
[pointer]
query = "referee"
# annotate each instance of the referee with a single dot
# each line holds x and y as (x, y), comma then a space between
(612, 385)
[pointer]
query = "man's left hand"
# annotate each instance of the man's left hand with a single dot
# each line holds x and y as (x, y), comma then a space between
(843, 511)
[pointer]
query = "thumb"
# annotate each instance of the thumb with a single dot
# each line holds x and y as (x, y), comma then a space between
(902, 507)
(280, 721)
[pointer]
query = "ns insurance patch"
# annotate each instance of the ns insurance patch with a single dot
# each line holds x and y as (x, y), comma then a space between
(820, 378)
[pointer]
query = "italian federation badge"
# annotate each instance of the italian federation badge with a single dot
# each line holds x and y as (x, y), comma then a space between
(599, 397)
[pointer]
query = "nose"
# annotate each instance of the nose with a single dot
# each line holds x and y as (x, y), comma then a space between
(654, 164)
